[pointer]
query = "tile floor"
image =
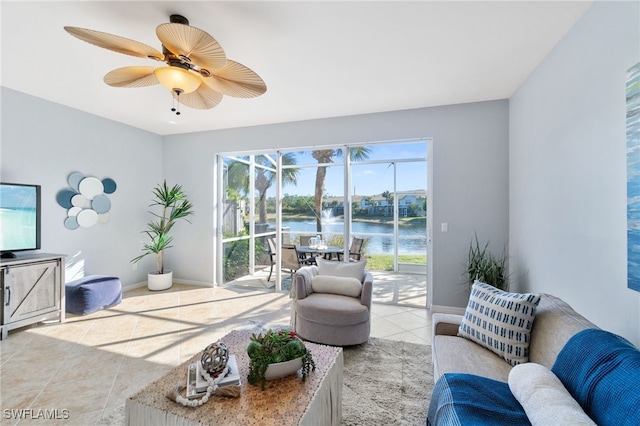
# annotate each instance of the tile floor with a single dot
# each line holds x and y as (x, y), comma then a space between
(88, 366)
(396, 288)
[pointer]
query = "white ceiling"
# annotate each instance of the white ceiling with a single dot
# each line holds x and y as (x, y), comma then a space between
(318, 59)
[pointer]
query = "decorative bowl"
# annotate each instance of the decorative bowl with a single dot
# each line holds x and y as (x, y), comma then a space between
(282, 369)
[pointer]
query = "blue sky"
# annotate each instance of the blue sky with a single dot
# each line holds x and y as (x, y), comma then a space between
(367, 179)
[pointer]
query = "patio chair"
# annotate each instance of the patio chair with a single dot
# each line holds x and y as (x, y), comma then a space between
(306, 257)
(290, 258)
(354, 250)
(304, 240)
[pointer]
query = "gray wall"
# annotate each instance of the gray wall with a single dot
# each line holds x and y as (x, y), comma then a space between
(43, 142)
(568, 170)
(470, 178)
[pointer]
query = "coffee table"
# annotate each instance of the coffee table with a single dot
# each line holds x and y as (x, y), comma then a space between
(285, 401)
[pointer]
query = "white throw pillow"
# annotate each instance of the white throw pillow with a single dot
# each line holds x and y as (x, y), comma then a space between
(342, 269)
(346, 286)
(500, 321)
(543, 397)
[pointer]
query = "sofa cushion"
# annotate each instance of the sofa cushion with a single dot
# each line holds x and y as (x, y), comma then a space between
(342, 269)
(454, 354)
(468, 399)
(601, 371)
(332, 309)
(345, 286)
(543, 397)
(500, 321)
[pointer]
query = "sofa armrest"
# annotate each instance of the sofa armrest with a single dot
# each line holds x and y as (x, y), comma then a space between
(446, 324)
(367, 290)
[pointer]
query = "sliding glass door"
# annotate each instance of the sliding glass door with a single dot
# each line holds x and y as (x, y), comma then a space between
(377, 192)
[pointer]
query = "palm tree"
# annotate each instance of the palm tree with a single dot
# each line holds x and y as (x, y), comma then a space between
(238, 178)
(389, 197)
(326, 156)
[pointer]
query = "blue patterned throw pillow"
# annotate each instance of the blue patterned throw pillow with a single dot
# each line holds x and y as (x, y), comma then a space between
(500, 321)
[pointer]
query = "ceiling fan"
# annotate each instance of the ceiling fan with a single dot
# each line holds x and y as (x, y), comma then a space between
(197, 71)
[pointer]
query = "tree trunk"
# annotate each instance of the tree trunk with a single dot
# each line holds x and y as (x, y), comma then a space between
(321, 156)
(262, 184)
(263, 207)
(320, 176)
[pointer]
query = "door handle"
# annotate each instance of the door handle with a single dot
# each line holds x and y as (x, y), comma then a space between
(7, 295)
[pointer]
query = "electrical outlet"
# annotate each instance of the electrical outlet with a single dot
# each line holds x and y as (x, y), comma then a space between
(135, 266)
(444, 227)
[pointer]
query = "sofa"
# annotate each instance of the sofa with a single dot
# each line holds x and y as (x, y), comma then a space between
(570, 371)
(332, 303)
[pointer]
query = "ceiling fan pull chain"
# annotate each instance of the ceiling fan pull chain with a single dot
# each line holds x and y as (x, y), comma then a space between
(174, 98)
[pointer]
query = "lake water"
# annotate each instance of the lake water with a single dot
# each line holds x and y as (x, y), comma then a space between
(412, 238)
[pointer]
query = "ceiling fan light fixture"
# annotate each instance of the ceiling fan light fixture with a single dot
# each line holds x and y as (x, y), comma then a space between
(192, 57)
(177, 80)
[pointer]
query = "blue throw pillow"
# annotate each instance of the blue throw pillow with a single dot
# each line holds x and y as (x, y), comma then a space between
(602, 372)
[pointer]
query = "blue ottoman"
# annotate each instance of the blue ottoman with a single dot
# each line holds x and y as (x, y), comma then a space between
(92, 293)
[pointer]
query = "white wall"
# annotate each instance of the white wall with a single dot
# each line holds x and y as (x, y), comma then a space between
(567, 153)
(43, 142)
(470, 187)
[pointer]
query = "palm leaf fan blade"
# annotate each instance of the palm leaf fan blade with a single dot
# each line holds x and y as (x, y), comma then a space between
(115, 43)
(131, 77)
(203, 98)
(236, 80)
(193, 44)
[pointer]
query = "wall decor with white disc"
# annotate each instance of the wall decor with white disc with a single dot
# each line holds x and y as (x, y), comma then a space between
(86, 200)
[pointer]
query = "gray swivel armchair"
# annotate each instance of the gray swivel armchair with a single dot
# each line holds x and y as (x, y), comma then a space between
(332, 310)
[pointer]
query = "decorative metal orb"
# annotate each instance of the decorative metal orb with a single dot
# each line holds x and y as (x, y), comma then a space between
(214, 358)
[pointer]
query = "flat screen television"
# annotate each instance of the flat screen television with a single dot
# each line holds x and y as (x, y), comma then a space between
(19, 218)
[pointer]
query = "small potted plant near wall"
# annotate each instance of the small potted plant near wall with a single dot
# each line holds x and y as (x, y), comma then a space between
(175, 205)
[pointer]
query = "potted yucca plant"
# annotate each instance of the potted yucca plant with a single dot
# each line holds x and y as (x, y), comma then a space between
(174, 206)
(483, 266)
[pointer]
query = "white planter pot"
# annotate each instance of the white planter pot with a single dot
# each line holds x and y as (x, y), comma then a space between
(156, 282)
(282, 369)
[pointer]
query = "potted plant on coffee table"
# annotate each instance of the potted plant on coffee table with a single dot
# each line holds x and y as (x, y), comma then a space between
(277, 354)
(174, 206)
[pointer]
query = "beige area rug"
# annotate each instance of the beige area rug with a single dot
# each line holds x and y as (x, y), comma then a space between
(385, 383)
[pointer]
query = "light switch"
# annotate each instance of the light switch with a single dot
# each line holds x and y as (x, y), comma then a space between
(444, 227)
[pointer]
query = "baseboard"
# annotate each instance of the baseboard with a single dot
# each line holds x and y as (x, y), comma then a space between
(133, 286)
(193, 283)
(441, 309)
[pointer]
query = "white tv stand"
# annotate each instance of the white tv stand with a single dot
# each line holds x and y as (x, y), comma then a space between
(32, 290)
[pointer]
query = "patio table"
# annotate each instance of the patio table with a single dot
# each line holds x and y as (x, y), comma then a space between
(327, 252)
